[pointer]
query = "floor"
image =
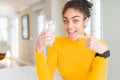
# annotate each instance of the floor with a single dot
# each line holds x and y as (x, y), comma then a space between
(15, 69)
(8, 62)
(19, 73)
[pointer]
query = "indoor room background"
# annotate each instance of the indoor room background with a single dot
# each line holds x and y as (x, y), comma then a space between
(104, 24)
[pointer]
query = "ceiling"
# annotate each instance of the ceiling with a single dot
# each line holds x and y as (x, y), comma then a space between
(10, 6)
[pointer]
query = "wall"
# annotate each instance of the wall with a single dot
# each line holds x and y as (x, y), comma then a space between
(111, 24)
(25, 46)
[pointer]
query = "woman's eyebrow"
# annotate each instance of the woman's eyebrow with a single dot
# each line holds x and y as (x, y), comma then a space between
(75, 17)
(71, 17)
(65, 17)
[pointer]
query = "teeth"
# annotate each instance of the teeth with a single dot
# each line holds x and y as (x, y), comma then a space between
(71, 31)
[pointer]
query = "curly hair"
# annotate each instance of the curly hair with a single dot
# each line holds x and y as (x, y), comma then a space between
(83, 6)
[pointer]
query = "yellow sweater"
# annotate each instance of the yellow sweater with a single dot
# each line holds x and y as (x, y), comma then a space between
(73, 60)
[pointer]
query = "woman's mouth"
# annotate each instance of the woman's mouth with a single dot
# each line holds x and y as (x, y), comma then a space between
(72, 33)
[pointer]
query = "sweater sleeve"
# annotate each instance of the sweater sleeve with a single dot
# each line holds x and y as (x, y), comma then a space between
(99, 69)
(46, 68)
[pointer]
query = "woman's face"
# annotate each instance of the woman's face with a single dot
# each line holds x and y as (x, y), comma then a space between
(74, 22)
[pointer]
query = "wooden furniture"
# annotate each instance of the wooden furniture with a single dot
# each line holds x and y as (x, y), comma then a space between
(2, 55)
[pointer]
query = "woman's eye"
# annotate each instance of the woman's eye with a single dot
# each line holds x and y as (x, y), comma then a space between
(75, 21)
(65, 21)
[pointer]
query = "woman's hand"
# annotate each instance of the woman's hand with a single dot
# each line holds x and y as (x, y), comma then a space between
(94, 44)
(44, 39)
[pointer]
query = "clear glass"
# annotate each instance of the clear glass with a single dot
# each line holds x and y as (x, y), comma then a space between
(50, 24)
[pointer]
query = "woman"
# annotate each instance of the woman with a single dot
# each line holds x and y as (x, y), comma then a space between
(77, 56)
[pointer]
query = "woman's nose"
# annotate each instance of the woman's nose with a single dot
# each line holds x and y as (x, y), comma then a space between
(70, 25)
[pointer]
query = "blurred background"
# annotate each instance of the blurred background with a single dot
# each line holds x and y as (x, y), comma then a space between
(21, 22)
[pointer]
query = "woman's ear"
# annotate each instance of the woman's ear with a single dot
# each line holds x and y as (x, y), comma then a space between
(86, 21)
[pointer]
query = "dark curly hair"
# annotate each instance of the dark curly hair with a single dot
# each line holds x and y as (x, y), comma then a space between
(82, 5)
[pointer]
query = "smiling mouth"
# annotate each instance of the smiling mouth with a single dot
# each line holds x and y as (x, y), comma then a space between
(71, 32)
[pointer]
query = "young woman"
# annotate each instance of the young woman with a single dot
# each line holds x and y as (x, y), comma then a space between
(77, 56)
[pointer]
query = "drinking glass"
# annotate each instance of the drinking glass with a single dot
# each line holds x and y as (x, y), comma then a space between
(50, 24)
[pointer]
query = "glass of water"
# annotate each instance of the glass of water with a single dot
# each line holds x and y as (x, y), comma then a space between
(50, 24)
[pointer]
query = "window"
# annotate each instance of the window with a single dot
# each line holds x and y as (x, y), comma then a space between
(41, 17)
(94, 27)
(40, 23)
(14, 37)
(3, 29)
(9, 32)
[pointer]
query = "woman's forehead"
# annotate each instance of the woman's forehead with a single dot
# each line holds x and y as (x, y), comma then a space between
(72, 13)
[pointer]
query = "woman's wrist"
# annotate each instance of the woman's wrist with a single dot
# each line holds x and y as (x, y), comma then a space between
(102, 50)
(106, 54)
(39, 49)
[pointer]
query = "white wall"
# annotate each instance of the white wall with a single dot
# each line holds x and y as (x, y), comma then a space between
(26, 52)
(111, 24)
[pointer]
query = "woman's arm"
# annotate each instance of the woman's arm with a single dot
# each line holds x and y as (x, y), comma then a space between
(99, 69)
(99, 65)
(46, 68)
